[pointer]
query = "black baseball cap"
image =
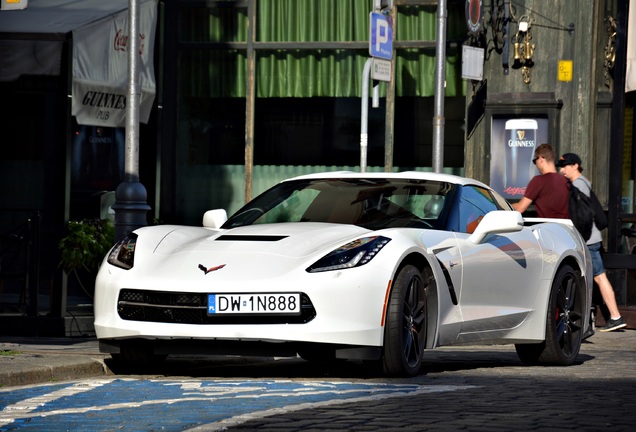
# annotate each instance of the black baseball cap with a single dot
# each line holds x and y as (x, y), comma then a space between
(569, 159)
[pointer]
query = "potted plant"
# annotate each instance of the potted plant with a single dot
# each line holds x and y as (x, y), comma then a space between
(83, 249)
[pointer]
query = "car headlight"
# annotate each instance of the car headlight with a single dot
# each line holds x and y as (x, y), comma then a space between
(123, 253)
(353, 254)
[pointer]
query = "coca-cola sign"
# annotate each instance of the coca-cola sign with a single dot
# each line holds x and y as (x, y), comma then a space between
(100, 68)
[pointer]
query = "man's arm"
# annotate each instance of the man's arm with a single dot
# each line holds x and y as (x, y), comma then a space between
(522, 205)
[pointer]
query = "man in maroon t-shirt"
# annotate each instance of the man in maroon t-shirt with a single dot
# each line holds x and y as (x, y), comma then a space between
(548, 191)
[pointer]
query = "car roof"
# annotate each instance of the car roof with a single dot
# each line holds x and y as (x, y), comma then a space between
(405, 175)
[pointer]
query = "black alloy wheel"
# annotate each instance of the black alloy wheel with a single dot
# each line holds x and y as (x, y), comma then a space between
(405, 327)
(564, 323)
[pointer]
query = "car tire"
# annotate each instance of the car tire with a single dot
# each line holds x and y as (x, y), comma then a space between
(405, 325)
(564, 324)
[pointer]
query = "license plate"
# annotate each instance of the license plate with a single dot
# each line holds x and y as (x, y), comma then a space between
(254, 304)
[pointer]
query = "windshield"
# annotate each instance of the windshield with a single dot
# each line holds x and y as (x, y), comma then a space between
(369, 203)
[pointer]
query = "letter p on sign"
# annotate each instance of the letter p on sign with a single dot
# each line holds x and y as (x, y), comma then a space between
(381, 34)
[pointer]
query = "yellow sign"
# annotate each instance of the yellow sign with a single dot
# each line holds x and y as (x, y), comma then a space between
(565, 70)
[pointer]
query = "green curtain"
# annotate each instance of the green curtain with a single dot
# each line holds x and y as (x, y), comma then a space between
(312, 20)
(307, 73)
(215, 24)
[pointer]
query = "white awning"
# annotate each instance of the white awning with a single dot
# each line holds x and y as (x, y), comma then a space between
(31, 42)
(49, 19)
(31, 39)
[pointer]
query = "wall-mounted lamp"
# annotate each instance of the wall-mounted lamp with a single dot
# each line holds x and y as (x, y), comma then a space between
(610, 51)
(523, 49)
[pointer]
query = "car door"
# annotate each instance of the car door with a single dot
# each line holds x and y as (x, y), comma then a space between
(500, 275)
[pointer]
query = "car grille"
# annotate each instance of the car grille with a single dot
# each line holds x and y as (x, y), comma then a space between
(191, 308)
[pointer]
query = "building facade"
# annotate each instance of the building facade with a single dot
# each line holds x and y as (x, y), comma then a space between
(566, 68)
(253, 91)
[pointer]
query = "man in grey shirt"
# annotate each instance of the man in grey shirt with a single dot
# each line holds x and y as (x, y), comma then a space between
(570, 167)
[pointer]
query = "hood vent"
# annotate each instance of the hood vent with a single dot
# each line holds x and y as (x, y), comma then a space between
(254, 238)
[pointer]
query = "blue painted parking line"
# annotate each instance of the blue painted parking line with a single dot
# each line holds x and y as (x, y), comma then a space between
(96, 405)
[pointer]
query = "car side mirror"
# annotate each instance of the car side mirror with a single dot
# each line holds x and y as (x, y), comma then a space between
(497, 222)
(214, 218)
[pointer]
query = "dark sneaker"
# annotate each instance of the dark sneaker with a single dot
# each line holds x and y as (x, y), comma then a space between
(613, 324)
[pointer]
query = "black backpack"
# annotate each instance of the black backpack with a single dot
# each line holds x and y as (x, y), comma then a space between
(585, 211)
(600, 218)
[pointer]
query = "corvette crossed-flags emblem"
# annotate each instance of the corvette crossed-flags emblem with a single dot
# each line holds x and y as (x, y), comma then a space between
(211, 269)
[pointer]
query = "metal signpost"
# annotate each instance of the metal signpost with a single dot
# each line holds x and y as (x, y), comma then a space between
(378, 67)
(440, 80)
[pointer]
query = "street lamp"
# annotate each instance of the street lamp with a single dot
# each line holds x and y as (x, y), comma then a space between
(130, 197)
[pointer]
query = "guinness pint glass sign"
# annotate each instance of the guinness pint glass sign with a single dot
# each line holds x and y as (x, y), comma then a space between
(512, 144)
(520, 141)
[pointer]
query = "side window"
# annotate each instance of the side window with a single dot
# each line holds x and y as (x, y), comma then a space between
(474, 203)
(501, 201)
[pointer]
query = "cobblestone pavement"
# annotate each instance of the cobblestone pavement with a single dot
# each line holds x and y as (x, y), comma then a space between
(471, 388)
(597, 394)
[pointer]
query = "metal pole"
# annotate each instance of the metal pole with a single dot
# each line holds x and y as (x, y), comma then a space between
(506, 38)
(131, 164)
(364, 116)
(440, 72)
(389, 122)
(617, 130)
(250, 99)
(130, 198)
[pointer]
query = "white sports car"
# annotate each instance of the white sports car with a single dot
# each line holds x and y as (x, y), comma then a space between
(375, 267)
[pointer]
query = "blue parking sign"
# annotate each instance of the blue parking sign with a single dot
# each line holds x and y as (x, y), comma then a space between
(381, 37)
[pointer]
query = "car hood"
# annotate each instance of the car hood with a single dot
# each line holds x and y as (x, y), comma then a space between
(294, 240)
(264, 250)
